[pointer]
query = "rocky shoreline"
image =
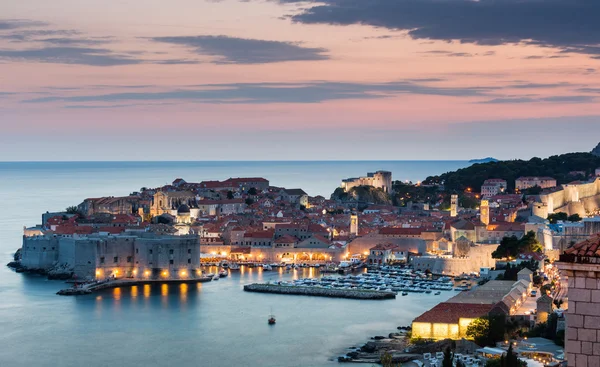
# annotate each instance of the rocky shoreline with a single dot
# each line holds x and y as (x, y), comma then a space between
(57, 272)
(400, 349)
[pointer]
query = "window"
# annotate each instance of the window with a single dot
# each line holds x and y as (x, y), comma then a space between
(53, 248)
(44, 248)
(150, 252)
(170, 252)
(171, 262)
(189, 251)
(116, 259)
(128, 259)
(189, 261)
(137, 250)
(102, 260)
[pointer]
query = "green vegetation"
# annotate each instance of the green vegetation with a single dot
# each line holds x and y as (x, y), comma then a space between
(252, 191)
(511, 271)
(509, 359)
(561, 216)
(72, 210)
(512, 246)
(249, 201)
(557, 166)
(229, 194)
(448, 357)
(362, 194)
(548, 330)
(405, 192)
(487, 331)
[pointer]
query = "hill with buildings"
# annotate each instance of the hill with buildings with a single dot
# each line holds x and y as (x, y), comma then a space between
(564, 168)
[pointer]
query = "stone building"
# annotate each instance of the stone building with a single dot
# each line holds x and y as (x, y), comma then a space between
(493, 186)
(524, 183)
(544, 306)
(580, 263)
(380, 179)
(100, 255)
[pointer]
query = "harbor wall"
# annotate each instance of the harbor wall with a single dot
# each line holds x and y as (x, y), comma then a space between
(320, 292)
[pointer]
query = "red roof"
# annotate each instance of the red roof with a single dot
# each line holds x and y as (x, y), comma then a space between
(286, 239)
(589, 247)
(259, 234)
(393, 231)
(450, 313)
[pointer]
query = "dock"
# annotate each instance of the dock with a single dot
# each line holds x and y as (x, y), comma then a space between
(88, 288)
(320, 292)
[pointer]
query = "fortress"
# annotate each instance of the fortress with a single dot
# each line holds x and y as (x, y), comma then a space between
(380, 179)
(575, 198)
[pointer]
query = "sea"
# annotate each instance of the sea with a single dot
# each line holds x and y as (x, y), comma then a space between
(210, 324)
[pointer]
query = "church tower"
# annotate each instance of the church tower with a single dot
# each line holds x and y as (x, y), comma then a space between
(484, 212)
(353, 224)
(453, 205)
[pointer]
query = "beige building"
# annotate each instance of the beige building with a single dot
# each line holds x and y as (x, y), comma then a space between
(524, 183)
(379, 179)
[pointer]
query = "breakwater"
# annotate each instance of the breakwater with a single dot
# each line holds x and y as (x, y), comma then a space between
(88, 288)
(320, 292)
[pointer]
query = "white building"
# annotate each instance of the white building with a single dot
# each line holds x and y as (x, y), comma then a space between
(524, 183)
(493, 187)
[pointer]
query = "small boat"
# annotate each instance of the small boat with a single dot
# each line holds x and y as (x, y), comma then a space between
(223, 273)
(271, 320)
(267, 267)
(216, 277)
(405, 293)
(234, 266)
(437, 293)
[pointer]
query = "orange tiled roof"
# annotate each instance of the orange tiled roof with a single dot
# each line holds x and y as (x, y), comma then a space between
(589, 247)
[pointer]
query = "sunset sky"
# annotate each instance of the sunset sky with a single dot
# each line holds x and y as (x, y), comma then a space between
(271, 80)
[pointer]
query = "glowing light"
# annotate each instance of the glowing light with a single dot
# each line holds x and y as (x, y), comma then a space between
(134, 272)
(147, 272)
(183, 273)
(165, 273)
(97, 272)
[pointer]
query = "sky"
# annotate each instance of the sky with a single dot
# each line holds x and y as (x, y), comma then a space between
(298, 80)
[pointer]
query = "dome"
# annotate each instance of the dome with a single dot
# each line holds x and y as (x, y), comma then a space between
(183, 209)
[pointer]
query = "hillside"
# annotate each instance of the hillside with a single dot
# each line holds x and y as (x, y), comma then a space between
(596, 150)
(558, 167)
(363, 194)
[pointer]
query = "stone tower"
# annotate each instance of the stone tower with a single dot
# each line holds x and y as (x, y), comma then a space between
(353, 224)
(484, 212)
(453, 205)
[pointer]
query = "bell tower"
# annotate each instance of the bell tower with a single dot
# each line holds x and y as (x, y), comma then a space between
(354, 224)
(484, 212)
(453, 205)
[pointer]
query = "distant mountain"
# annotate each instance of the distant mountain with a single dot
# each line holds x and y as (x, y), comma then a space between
(596, 150)
(483, 160)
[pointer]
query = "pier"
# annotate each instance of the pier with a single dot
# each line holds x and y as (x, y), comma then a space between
(320, 292)
(88, 288)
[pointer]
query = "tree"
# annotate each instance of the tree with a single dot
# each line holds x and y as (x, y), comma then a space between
(479, 331)
(512, 246)
(555, 217)
(72, 210)
(574, 218)
(387, 360)
(249, 201)
(536, 190)
(229, 194)
(252, 191)
(448, 356)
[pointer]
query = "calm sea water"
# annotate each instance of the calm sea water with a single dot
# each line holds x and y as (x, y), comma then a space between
(213, 324)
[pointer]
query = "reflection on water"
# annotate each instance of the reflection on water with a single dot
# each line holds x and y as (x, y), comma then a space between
(134, 291)
(183, 290)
